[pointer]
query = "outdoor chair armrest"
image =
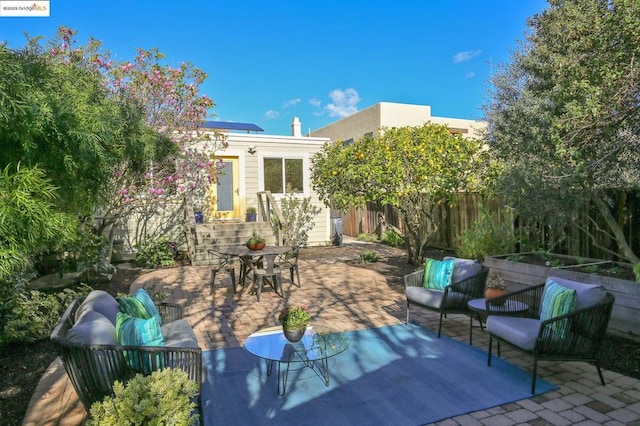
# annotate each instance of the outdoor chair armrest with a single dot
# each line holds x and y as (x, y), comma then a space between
(580, 331)
(531, 296)
(414, 279)
(170, 312)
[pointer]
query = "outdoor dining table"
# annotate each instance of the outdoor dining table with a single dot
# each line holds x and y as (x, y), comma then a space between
(249, 258)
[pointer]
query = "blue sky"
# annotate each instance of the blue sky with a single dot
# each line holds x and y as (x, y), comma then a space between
(269, 61)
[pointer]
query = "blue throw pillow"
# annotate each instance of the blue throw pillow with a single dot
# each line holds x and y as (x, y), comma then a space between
(556, 301)
(142, 295)
(131, 331)
(438, 273)
(140, 305)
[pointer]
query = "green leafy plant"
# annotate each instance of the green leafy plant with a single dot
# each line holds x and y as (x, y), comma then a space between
(34, 314)
(295, 317)
(392, 238)
(298, 216)
(367, 237)
(636, 271)
(369, 256)
(251, 210)
(163, 398)
(256, 238)
(495, 281)
(486, 237)
(156, 253)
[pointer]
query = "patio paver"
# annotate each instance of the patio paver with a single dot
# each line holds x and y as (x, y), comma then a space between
(349, 298)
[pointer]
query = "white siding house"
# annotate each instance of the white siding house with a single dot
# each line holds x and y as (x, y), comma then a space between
(254, 163)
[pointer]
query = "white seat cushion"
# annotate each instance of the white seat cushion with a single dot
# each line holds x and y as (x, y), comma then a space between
(521, 332)
(425, 296)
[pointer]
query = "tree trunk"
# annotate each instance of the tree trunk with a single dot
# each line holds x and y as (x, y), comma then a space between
(616, 230)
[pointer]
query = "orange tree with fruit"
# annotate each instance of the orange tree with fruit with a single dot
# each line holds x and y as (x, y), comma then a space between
(415, 169)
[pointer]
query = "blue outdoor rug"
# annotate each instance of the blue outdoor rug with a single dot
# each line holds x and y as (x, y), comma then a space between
(395, 375)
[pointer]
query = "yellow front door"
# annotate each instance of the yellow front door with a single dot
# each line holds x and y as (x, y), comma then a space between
(225, 193)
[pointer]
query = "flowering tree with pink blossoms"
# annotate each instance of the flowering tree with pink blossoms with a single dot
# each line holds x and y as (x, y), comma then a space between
(171, 103)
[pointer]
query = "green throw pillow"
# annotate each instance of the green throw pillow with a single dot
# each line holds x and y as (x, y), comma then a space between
(140, 305)
(142, 295)
(557, 301)
(438, 273)
(131, 331)
(134, 307)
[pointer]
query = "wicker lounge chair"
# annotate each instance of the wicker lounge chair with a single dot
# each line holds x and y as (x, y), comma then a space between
(575, 336)
(469, 279)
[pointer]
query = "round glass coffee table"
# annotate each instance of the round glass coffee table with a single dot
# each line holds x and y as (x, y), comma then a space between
(318, 344)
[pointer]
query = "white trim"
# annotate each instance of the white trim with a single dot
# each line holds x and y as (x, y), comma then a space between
(306, 164)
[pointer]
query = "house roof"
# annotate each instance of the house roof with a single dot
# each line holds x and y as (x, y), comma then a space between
(228, 125)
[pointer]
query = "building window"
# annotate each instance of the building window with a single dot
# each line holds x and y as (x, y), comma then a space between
(283, 175)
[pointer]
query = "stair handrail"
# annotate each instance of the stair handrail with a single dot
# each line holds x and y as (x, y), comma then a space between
(270, 212)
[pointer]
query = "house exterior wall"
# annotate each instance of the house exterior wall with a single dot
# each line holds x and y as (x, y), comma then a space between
(252, 171)
(388, 114)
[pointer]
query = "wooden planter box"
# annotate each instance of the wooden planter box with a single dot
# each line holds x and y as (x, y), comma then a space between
(625, 319)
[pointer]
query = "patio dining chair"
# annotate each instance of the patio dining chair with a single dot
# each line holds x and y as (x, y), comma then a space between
(269, 272)
(289, 261)
(221, 262)
(566, 321)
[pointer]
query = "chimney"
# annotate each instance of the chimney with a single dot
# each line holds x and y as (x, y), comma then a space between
(296, 128)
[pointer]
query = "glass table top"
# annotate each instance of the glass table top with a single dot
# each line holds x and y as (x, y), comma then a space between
(319, 342)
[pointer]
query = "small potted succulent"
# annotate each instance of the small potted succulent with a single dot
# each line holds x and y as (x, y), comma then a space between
(252, 214)
(294, 320)
(256, 242)
(495, 287)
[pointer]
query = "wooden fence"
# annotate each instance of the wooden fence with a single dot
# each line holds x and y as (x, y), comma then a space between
(458, 218)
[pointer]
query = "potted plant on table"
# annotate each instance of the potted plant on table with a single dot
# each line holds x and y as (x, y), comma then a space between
(256, 242)
(294, 320)
(495, 287)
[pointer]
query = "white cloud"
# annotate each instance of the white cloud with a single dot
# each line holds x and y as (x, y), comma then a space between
(292, 102)
(343, 102)
(315, 102)
(465, 56)
(272, 114)
(470, 74)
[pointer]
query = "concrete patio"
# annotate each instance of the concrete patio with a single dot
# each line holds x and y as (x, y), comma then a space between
(348, 298)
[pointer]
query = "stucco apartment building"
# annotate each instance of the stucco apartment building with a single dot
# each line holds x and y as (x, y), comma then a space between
(388, 114)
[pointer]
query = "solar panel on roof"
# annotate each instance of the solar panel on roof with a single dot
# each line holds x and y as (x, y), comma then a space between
(228, 125)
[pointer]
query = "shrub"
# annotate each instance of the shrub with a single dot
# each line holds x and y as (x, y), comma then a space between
(367, 237)
(163, 398)
(298, 219)
(486, 237)
(369, 256)
(156, 253)
(392, 238)
(34, 314)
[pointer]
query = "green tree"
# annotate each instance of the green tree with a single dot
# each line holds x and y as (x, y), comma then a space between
(29, 222)
(415, 169)
(564, 119)
(169, 101)
(61, 118)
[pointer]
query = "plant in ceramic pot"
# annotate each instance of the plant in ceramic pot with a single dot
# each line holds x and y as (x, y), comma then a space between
(495, 287)
(252, 214)
(256, 242)
(294, 320)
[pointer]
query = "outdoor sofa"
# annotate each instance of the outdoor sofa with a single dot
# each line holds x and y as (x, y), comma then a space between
(85, 339)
